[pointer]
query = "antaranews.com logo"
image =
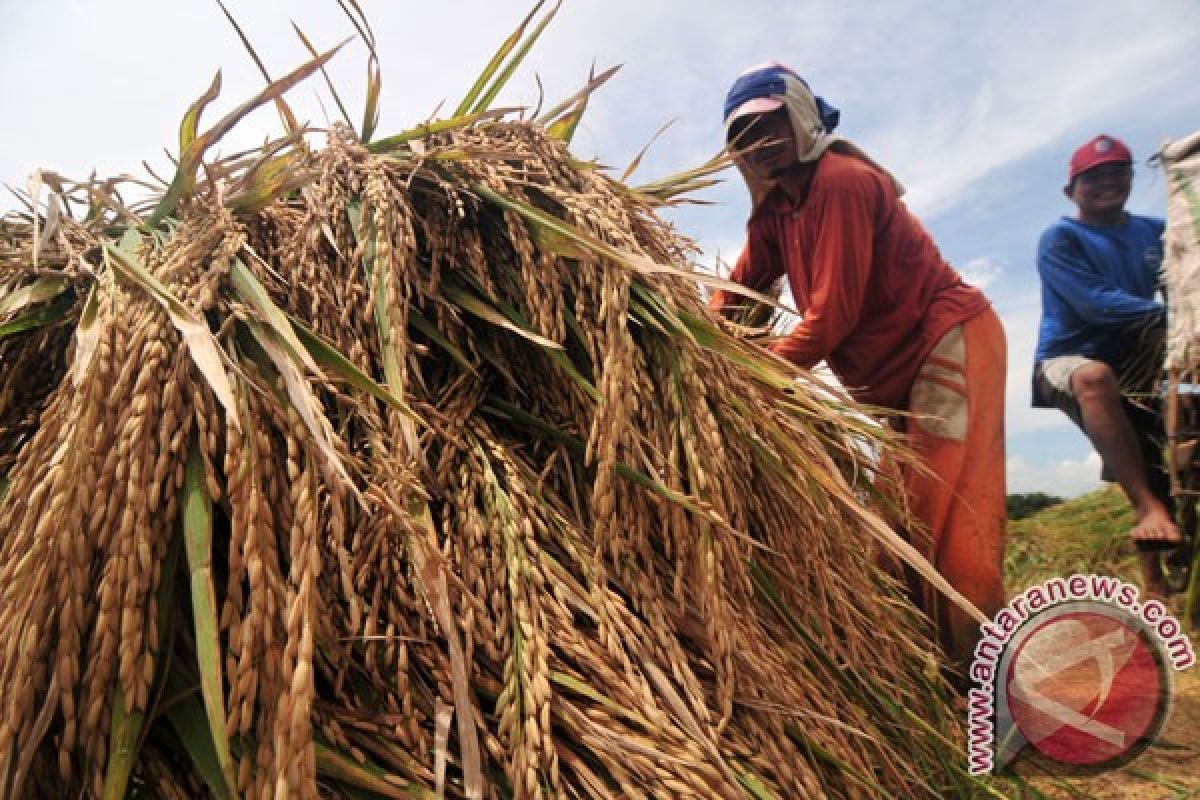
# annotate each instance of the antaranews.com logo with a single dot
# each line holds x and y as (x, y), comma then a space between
(1076, 668)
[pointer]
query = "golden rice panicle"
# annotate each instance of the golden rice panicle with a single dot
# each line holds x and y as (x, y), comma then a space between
(524, 704)
(294, 763)
(497, 507)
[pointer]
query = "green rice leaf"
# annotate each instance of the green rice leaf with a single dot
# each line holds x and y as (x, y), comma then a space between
(41, 290)
(127, 725)
(754, 785)
(38, 317)
(485, 101)
(579, 687)
(189, 721)
(635, 261)
(193, 147)
(254, 294)
(190, 124)
(123, 735)
(270, 180)
(489, 70)
(418, 321)
(710, 337)
(497, 406)
(344, 769)
(328, 356)
(197, 531)
(440, 126)
(481, 309)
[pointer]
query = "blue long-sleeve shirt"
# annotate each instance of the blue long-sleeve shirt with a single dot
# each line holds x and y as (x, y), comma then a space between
(1098, 285)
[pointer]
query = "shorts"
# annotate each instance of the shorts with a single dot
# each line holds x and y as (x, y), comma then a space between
(1058, 371)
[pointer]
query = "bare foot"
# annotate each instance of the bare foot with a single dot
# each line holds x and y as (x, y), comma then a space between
(1155, 525)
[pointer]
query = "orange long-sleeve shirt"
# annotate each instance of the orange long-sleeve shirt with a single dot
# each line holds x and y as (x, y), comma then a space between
(874, 291)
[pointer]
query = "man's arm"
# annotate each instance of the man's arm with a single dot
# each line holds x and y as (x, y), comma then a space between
(840, 264)
(1093, 297)
(758, 266)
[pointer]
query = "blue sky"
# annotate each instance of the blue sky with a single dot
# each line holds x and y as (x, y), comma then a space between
(974, 106)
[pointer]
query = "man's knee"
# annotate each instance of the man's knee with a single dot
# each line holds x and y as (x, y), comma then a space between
(1094, 381)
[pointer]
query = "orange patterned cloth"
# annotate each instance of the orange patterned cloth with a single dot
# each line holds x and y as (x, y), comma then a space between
(957, 430)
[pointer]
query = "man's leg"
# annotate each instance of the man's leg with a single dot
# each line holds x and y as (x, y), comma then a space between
(1099, 396)
(960, 390)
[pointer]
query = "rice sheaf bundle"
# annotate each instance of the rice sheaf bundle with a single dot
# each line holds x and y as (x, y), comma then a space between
(416, 467)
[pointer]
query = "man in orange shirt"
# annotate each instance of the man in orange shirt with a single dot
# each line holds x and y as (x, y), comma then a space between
(896, 323)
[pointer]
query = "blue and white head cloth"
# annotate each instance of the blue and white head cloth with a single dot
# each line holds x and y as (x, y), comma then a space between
(768, 87)
(771, 86)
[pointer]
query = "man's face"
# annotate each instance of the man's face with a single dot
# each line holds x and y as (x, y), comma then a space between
(1102, 190)
(765, 143)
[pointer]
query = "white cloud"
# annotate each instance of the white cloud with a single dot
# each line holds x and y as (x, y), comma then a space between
(1021, 318)
(942, 94)
(1067, 477)
(981, 272)
(1003, 101)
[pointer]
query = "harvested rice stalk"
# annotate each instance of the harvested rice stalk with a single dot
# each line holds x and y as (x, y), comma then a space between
(498, 509)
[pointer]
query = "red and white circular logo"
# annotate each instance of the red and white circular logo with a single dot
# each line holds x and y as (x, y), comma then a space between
(1088, 687)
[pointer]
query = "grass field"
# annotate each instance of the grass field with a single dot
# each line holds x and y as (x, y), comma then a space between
(1090, 535)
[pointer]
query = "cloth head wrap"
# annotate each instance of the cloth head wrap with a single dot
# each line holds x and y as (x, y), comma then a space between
(771, 86)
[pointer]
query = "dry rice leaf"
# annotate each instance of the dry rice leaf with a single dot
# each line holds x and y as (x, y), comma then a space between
(433, 581)
(441, 740)
(637, 160)
(37, 734)
(41, 235)
(578, 99)
(201, 345)
(678, 706)
(87, 336)
(836, 484)
(53, 216)
(307, 406)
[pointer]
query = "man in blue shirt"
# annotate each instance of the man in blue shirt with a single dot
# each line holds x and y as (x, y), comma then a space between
(1101, 335)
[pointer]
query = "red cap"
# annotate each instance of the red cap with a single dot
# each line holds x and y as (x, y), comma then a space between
(1102, 149)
